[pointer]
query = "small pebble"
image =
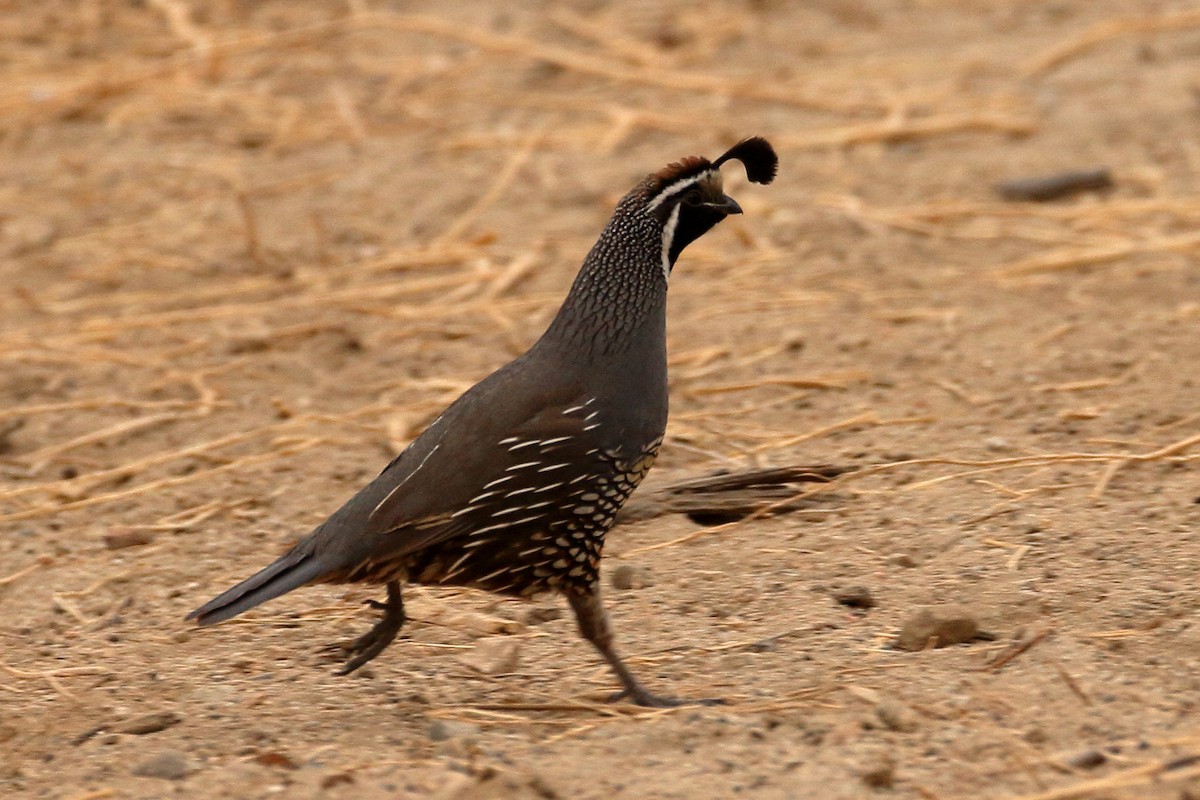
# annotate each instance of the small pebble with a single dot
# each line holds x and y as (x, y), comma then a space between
(496, 655)
(441, 730)
(539, 614)
(855, 597)
(629, 576)
(21, 235)
(902, 560)
(336, 779)
(768, 645)
(1087, 759)
(880, 774)
(274, 758)
(896, 716)
(939, 626)
(997, 443)
(168, 765)
(120, 537)
(148, 723)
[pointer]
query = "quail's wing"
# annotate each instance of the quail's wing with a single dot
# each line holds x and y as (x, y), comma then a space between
(453, 482)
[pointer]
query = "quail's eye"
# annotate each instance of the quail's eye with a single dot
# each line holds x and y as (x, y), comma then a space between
(692, 199)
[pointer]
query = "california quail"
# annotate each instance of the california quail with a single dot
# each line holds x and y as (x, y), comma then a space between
(514, 486)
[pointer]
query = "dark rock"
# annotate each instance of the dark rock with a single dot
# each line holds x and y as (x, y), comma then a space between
(1087, 759)
(855, 597)
(880, 774)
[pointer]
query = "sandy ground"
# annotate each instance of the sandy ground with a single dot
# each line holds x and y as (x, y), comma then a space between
(249, 249)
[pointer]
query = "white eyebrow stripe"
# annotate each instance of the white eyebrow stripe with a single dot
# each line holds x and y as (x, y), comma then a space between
(676, 188)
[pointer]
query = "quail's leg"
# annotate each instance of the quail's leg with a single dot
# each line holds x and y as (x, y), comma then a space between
(593, 625)
(374, 641)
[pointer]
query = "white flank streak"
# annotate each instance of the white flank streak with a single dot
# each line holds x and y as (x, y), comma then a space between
(676, 188)
(497, 482)
(456, 567)
(522, 465)
(557, 439)
(505, 511)
(496, 527)
(668, 238)
(572, 410)
(495, 574)
(531, 518)
(400, 485)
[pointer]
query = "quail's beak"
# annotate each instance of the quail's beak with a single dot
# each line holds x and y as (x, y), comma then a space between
(727, 206)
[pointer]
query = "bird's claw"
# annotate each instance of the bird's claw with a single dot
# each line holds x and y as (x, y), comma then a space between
(361, 650)
(646, 699)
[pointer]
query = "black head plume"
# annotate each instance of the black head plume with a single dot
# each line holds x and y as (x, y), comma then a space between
(756, 155)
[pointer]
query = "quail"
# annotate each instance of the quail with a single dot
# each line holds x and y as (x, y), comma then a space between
(514, 486)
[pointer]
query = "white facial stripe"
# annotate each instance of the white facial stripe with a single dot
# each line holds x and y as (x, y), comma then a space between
(676, 188)
(668, 239)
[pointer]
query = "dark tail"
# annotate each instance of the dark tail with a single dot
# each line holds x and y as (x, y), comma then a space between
(291, 571)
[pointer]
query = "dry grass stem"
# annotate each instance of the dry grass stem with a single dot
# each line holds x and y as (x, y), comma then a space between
(1077, 258)
(1157, 774)
(504, 179)
(163, 483)
(601, 67)
(902, 129)
(867, 419)
(21, 573)
(610, 38)
(40, 458)
(1104, 32)
(1017, 648)
(838, 381)
(1071, 683)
